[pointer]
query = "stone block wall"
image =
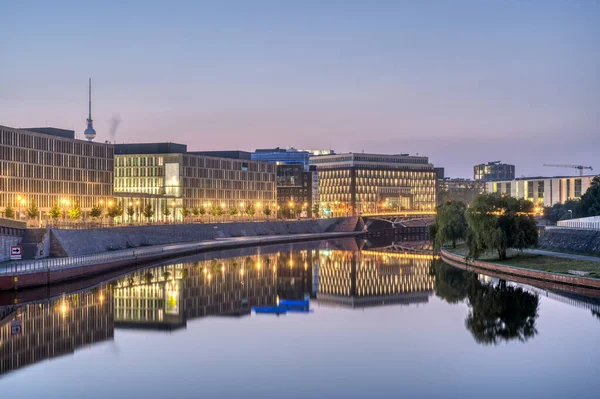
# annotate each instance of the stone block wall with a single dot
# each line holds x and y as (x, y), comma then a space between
(65, 242)
(571, 240)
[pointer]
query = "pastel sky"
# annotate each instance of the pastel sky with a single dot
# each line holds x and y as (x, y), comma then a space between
(461, 81)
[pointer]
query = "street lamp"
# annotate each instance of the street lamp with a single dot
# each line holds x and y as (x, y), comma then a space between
(173, 206)
(137, 205)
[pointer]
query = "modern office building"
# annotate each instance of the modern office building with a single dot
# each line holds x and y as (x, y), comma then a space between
(543, 191)
(357, 183)
(166, 175)
(282, 156)
(294, 191)
(49, 166)
(493, 171)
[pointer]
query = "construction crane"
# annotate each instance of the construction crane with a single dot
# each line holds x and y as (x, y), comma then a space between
(580, 167)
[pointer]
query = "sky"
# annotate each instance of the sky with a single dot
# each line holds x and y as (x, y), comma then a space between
(463, 82)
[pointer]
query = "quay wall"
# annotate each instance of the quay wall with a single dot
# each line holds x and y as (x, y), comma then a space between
(64, 242)
(570, 240)
(473, 264)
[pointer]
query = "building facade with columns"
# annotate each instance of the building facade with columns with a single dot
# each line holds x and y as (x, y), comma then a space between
(543, 191)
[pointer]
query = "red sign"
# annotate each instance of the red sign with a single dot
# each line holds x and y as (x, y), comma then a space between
(15, 252)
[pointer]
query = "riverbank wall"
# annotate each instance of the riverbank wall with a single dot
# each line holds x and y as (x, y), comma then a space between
(69, 243)
(52, 271)
(570, 240)
(478, 265)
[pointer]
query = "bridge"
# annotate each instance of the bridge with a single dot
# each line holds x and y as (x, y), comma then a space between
(400, 219)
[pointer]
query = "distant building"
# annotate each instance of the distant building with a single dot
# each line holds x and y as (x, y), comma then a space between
(166, 175)
(282, 156)
(50, 167)
(294, 156)
(456, 189)
(294, 191)
(543, 191)
(493, 171)
(356, 183)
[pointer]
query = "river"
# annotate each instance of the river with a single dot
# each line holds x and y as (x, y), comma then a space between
(384, 320)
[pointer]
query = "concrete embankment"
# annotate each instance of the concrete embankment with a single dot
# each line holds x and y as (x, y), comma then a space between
(64, 242)
(571, 240)
(44, 273)
(483, 267)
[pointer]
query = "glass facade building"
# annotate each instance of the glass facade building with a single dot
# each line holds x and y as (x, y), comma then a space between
(166, 175)
(493, 171)
(375, 183)
(50, 167)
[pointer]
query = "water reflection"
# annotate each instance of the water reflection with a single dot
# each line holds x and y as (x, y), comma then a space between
(36, 332)
(345, 273)
(497, 311)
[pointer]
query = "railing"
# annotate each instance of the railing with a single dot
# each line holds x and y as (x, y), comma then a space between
(16, 268)
(577, 225)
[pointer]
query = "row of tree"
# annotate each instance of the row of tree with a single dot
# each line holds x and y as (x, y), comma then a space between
(492, 222)
(117, 210)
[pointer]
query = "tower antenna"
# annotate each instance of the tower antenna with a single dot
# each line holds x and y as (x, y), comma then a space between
(90, 133)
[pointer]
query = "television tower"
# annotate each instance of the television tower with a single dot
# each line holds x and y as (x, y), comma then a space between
(90, 133)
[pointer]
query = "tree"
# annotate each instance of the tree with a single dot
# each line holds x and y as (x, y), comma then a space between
(501, 313)
(96, 211)
(196, 211)
(569, 210)
(315, 210)
(250, 211)
(166, 212)
(590, 201)
(115, 211)
(202, 211)
(216, 210)
(185, 212)
(233, 211)
(33, 211)
(75, 212)
(498, 222)
(130, 211)
(451, 223)
(148, 212)
(267, 211)
(55, 212)
(9, 212)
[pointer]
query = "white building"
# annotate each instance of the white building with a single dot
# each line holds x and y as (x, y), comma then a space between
(543, 191)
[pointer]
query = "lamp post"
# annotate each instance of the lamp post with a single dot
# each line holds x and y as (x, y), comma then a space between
(137, 206)
(173, 216)
(291, 205)
(65, 203)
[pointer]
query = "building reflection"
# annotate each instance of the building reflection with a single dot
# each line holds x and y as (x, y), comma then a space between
(40, 331)
(167, 297)
(373, 278)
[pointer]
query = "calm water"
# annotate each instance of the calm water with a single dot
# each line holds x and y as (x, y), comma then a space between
(384, 321)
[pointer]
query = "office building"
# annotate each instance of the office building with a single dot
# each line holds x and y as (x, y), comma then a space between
(294, 191)
(50, 167)
(543, 191)
(358, 183)
(166, 175)
(493, 171)
(282, 156)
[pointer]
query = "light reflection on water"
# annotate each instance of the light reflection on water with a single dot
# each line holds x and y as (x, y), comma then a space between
(387, 320)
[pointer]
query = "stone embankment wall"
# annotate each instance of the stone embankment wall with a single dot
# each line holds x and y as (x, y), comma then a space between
(85, 242)
(571, 240)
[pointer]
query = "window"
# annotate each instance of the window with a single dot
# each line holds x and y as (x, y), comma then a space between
(577, 188)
